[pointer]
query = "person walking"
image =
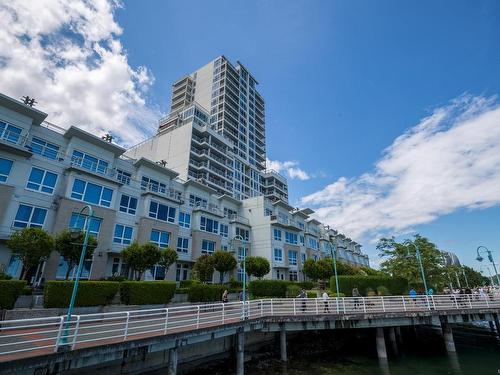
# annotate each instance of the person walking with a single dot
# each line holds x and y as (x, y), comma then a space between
(356, 295)
(326, 302)
(225, 297)
(303, 295)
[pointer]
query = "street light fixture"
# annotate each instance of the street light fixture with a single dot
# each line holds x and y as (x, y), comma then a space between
(479, 258)
(333, 252)
(75, 231)
(465, 277)
(243, 243)
(419, 258)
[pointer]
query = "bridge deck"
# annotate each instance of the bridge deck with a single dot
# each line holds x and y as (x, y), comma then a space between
(37, 337)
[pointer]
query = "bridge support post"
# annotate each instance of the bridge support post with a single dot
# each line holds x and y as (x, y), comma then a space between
(448, 337)
(399, 336)
(172, 361)
(392, 339)
(381, 349)
(283, 343)
(497, 323)
(240, 353)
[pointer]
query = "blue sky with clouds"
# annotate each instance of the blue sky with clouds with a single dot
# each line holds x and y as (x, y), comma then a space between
(384, 113)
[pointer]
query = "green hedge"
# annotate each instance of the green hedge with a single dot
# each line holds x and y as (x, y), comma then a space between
(90, 293)
(394, 285)
(205, 293)
(188, 283)
(307, 285)
(146, 292)
(9, 291)
(268, 288)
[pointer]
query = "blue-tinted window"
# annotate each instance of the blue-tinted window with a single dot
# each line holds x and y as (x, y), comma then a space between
(5, 167)
(161, 212)
(278, 255)
(41, 147)
(207, 246)
(78, 221)
(89, 162)
(91, 193)
(184, 219)
(182, 244)
(128, 204)
(10, 132)
(291, 238)
(160, 238)
(29, 216)
(277, 234)
(292, 257)
(123, 234)
(209, 225)
(42, 180)
(224, 230)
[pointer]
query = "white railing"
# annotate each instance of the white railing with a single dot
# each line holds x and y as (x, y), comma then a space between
(30, 337)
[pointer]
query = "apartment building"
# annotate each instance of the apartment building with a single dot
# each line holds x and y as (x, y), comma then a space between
(274, 186)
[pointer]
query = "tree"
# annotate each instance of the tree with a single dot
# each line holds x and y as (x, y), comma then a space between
(473, 277)
(345, 269)
(31, 246)
(223, 262)
(69, 246)
(141, 257)
(324, 269)
(257, 266)
(310, 269)
(204, 268)
(401, 261)
(167, 258)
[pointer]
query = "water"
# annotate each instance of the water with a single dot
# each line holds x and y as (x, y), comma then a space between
(353, 353)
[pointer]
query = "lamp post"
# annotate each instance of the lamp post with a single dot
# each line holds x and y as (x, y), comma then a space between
(443, 256)
(243, 243)
(465, 277)
(333, 252)
(86, 228)
(489, 271)
(479, 258)
(419, 258)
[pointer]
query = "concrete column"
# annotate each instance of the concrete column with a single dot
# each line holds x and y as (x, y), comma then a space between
(283, 343)
(381, 350)
(172, 361)
(448, 338)
(399, 336)
(392, 339)
(497, 323)
(240, 353)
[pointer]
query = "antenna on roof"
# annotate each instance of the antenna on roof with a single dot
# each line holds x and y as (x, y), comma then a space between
(162, 162)
(107, 137)
(29, 101)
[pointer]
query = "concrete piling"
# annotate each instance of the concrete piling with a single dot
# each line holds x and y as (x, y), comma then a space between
(381, 349)
(448, 338)
(283, 343)
(240, 353)
(393, 340)
(497, 323)
(172, 361)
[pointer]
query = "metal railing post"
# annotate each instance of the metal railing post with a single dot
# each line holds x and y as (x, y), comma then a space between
(404, 303)
(294, 309)
(383, 304)
(261, 308)
(317, 312)
(223, 312)
(272, 307)
(59, 333)
(198, 317)
(364, 304)
(456, 303)
(75, 333)
(343, 304)
(166, 322)
(248, 312)
(126, 326)
(433, 303)
(469, 297)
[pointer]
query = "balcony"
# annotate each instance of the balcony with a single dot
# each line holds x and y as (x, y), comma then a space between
(12, 140)
(163, 192)
(234, 218)
(214, 210)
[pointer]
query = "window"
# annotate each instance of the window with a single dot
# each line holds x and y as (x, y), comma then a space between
(128, 204)
(277, 234)
(313, 243)
(42, 147)
(41, 180)
(29, 216)
(292, 257)
(302, 240)
(161, 212)
(240, 275)
(10, 132)
(152, 185)
(243, 233)
(268, 212)
(89, 162)
(207, 246)
(160, 238)
(5, 167)
(197, 201)
(184, 219)
(209, 225)
(293, 275)
(123, 177)
(182, 244)
(123, 234)
(224, 230)
(302, 257)
(278, 255)
(91, 193)
(291, 238)
(80, 222)
(242, 253)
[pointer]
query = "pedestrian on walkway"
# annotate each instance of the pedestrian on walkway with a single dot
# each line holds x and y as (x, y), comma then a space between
(355, 294)
(303, 295)
(225, 297)
(326, 302)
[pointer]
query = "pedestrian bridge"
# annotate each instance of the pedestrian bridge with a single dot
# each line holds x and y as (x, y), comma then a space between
(92, 339)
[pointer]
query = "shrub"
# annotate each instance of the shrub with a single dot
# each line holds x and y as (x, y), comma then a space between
(90, 293)
(292, 291)
(394, 285)
(306, 284)
(205, 293)
(188, 283)
(27, 291)
(382, 290)
(146, 292)
(333, 295)
(235, 284)
(311, 294)
(369, 292)
(9, 291)
(268, 288)
(117, 278)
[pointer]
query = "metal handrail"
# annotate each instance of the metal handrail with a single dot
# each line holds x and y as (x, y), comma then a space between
(41, 335)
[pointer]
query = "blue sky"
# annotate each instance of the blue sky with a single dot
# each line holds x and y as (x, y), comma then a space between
(388, 108)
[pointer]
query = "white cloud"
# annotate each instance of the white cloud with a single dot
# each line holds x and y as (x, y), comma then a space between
(68, 56)
(449, 161)
(290, 168)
